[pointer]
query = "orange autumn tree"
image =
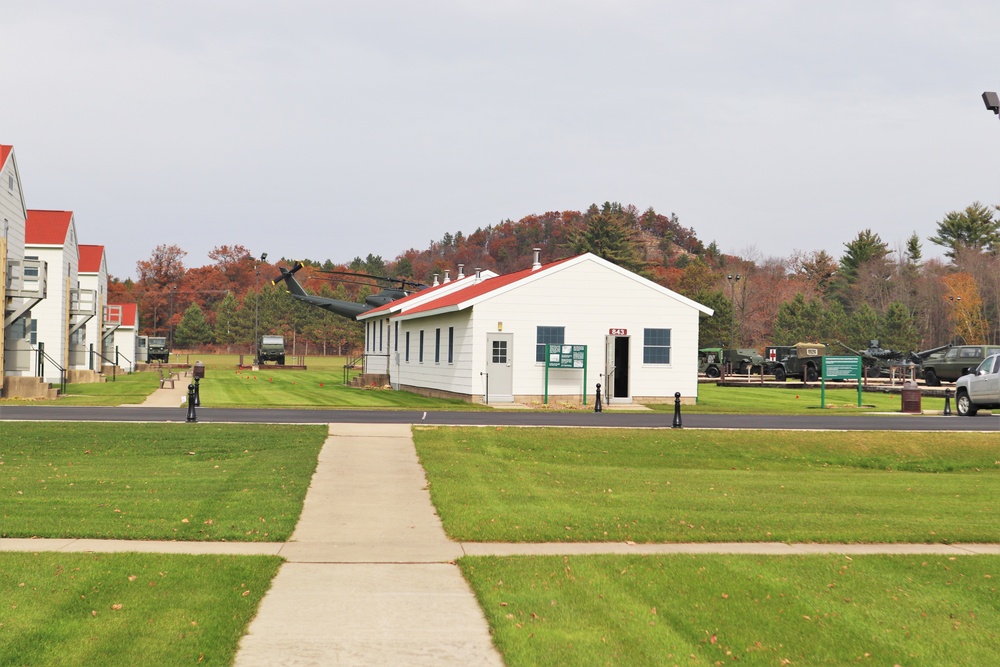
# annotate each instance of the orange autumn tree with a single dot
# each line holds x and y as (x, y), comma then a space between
(968, 321)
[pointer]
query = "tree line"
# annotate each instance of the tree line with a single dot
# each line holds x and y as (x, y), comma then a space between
(871, 291)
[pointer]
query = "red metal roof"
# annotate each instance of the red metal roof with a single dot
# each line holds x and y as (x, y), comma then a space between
(4, 152)
(481, 288)
(90, 258)
(47, 227)
(128, 313)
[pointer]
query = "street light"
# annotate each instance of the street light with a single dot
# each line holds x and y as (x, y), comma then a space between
(954, 314)
(992, 102)
(733, 279)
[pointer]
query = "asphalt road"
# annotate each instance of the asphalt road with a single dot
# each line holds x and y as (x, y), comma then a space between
(869, 422)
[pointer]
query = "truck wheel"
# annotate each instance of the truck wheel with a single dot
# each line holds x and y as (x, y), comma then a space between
(811, 374)
(931, 377)
(712, 371)
(281, 360)
(964, 405)
(779, 374)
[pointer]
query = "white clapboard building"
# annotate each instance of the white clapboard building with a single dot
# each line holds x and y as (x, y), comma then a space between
(548, 333)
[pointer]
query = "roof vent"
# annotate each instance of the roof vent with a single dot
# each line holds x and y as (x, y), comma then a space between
(447, 278)
(436, 283)
(478, 274)
(537, 264)
(461, 271)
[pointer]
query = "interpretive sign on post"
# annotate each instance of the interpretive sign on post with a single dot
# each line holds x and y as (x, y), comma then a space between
(840, 368)
(568, 357)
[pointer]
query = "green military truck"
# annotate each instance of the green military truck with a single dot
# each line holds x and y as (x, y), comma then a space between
(954, 362)
(712, 361)
(271, 348)
(157, 350)
(803, 361)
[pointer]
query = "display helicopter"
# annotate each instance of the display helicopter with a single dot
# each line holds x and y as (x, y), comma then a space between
(349, 309)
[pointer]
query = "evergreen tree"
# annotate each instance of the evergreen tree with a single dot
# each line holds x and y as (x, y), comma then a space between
(226, 319)
(799, 321)
(715, 331)
(898, 331)
(609, 234)
(194, 329)
(972, 228)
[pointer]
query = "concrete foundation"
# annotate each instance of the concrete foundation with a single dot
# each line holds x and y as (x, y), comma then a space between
(27, 387)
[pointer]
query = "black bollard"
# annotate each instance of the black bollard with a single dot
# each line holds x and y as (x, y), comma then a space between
(677, 410)
(947, 402)
(597, 400)
(197, 394)
(192, 417)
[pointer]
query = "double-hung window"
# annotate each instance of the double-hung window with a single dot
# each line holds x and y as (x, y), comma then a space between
(656, 346)
(548, 336)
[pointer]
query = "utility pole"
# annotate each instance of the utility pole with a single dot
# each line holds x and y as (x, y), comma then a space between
(733, 280)
(256, 312)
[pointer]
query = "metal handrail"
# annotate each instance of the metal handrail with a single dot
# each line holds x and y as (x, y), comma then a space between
(114, 373)
(40, 366)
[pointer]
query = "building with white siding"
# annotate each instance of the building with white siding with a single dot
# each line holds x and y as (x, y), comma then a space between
(122, 337)
(22, 281)
(93, 272)
(485, 339)
(50, 236)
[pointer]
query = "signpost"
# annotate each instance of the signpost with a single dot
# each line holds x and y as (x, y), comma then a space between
(566, 356)
(840, 368)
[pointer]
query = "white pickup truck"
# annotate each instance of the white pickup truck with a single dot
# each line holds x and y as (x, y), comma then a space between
(980, 389)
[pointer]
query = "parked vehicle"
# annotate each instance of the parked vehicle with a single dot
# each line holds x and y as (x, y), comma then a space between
(955, 362)
(271, 348)
(802, 361)
(157, 350)
(713, 361)
(980, 389)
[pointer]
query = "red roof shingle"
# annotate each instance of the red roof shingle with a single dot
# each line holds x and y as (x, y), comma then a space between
(90, 258)
(47, 227)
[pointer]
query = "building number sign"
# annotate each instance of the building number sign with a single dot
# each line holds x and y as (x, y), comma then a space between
(617, 332)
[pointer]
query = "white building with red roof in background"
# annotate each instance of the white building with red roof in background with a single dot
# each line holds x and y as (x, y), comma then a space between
(121, 323)
(93, 273)
(548, 333)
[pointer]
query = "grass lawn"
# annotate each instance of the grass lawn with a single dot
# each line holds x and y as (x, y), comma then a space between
(594, 485)
(320, 389)
(206, 482)
(713, 399)
(127, 609)
(747, 610)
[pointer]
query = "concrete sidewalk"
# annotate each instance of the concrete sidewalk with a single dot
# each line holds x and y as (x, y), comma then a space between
(369, 578)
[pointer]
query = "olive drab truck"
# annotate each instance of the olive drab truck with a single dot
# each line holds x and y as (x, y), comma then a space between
(271, 348)
(803, 361)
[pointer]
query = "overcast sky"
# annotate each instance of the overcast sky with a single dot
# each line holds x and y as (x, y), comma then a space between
(329, 130)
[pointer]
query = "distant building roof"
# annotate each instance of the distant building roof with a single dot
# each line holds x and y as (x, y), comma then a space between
(47, 227)
(128, 313)
(90, 258)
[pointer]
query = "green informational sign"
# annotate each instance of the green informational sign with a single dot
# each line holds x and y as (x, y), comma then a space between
(566, 356)
(840, 368)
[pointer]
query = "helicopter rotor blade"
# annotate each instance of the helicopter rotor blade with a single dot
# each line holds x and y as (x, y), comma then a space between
(286, 273)
(388, 279)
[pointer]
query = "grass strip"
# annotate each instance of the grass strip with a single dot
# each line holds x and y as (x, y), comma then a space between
(713, 399)
(668, 485)
(202, 482)
(748, 610)
(128, 609)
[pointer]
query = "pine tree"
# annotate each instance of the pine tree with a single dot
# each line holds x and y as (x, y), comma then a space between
(194, 329)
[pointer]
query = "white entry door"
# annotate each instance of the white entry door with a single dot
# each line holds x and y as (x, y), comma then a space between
(500, 374)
